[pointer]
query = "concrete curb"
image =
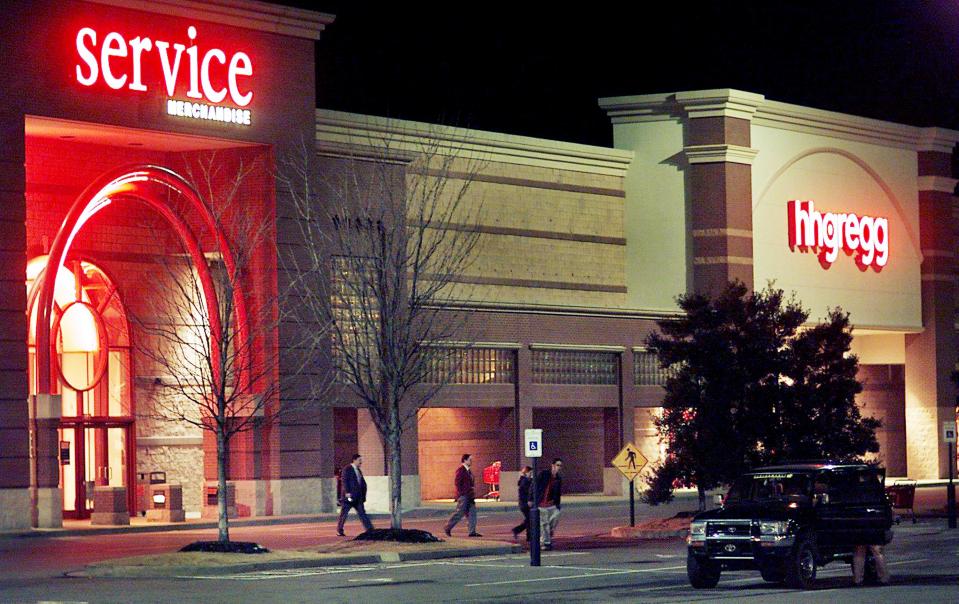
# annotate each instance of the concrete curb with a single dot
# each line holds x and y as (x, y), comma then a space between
(635, 532)
(343, 560)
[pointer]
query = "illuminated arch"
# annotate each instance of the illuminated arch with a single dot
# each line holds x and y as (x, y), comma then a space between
(890, 195)
(130, 183)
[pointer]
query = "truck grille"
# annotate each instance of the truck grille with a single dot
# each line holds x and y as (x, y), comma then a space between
(731, 539)
(729, 529)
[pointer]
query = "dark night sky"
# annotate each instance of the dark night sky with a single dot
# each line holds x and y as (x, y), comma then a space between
(536, 72)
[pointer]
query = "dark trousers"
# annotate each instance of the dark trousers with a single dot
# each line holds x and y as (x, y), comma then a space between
(465, 506)
(360, 511)
(524, 525)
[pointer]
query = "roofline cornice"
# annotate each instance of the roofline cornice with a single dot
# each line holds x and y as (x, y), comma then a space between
(677, 106)
(337, 130)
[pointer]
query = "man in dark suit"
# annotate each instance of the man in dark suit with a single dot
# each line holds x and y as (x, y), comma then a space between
(465, 497)
(354, 494)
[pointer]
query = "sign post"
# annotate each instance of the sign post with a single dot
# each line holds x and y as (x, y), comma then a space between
(534, 448)
(630, 462)
(949, 436)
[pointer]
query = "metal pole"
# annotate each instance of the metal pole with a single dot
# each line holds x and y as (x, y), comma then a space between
(534, 521)
(632, 504)
(951, 489)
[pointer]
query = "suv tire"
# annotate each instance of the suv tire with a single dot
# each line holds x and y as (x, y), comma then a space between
(772, 573)
(801, 564)
(703, 574)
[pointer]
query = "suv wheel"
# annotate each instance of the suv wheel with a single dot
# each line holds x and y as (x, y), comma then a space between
(703, 573)
(801, 564)
(772, 573)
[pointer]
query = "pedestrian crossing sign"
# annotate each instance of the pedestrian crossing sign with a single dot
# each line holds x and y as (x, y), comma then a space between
(630, 461)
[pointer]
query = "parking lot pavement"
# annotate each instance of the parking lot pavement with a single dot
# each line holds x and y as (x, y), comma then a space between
(923, 561)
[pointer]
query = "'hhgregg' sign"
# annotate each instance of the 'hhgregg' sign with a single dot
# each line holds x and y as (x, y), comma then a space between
(866, 238)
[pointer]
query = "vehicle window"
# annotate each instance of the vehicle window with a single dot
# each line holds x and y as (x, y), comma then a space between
(839, 486)
(856, 486)
(868, 487)
(770, 485)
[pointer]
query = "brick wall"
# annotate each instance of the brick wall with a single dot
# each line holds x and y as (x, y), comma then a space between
(884, 397)
(445, 434)
(576, 436)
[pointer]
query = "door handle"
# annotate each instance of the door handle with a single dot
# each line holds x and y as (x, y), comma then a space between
(872, 511)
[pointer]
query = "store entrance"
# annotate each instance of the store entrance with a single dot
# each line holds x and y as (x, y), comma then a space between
(104, 462)
(92, 363)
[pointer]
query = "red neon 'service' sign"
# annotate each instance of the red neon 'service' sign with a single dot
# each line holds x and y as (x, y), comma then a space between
(865, 236)
(208, 76)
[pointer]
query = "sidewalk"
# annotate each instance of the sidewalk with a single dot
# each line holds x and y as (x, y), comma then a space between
(429, 509)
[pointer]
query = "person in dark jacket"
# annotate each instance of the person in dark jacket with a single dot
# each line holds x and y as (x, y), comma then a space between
(525, 480)
(354, 494)
(465, 497)
(549, 493)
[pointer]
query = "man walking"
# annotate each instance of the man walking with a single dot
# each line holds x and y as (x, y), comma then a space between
(549, 491)
(522, 487)
(354, 494)
(465, 498)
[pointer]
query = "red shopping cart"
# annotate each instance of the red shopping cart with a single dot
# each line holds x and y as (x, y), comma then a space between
(491, 478)
(902, 495)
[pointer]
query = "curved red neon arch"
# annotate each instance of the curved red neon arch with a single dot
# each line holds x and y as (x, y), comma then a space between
(130, 182)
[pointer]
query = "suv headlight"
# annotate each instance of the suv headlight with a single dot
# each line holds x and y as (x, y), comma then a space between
(778, 527)
(697, 530)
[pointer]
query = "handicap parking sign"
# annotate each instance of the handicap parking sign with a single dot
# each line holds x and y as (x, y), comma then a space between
(534, 442)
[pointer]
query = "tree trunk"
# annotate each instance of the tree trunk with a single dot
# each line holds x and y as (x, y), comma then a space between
(396, 478)
(702, 498)
(222, 453)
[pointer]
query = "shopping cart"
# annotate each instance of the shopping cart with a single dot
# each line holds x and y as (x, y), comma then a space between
(491, 478)
(902, 495)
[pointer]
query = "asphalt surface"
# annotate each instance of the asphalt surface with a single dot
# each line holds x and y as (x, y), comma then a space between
(584, 568)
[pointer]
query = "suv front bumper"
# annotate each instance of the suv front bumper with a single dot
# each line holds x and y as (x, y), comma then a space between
(744, 552)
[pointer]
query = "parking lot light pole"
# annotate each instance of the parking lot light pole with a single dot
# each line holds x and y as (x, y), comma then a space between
(534, 521)
(951, 489)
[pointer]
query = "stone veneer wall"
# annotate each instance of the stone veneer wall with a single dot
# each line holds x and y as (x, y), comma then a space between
(183, 465)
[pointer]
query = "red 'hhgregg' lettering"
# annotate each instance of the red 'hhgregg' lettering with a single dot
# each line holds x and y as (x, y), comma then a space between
(120, 62)
(865, 237)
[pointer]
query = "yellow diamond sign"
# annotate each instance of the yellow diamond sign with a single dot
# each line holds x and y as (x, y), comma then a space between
(630, 461)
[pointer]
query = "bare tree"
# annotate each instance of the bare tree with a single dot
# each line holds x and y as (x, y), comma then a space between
(387, 235)
(209, 329)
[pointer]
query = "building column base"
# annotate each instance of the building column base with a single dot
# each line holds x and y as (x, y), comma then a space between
(302, 495)
(49, 508)
(15, 509)
(378, 493)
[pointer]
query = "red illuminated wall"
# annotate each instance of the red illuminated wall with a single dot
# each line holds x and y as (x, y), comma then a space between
(38, 179)
(129, 240)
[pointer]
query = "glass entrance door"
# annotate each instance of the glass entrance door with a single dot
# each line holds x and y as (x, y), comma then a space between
(104, 462)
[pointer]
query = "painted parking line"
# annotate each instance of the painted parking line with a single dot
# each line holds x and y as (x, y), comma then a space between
(629, 571)
(283, 573)
(601, 572)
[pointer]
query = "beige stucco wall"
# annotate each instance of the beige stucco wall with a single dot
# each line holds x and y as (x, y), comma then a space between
(655, 213)
(839, 175)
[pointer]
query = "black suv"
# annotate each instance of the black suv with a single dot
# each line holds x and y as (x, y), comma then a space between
(786, 520)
